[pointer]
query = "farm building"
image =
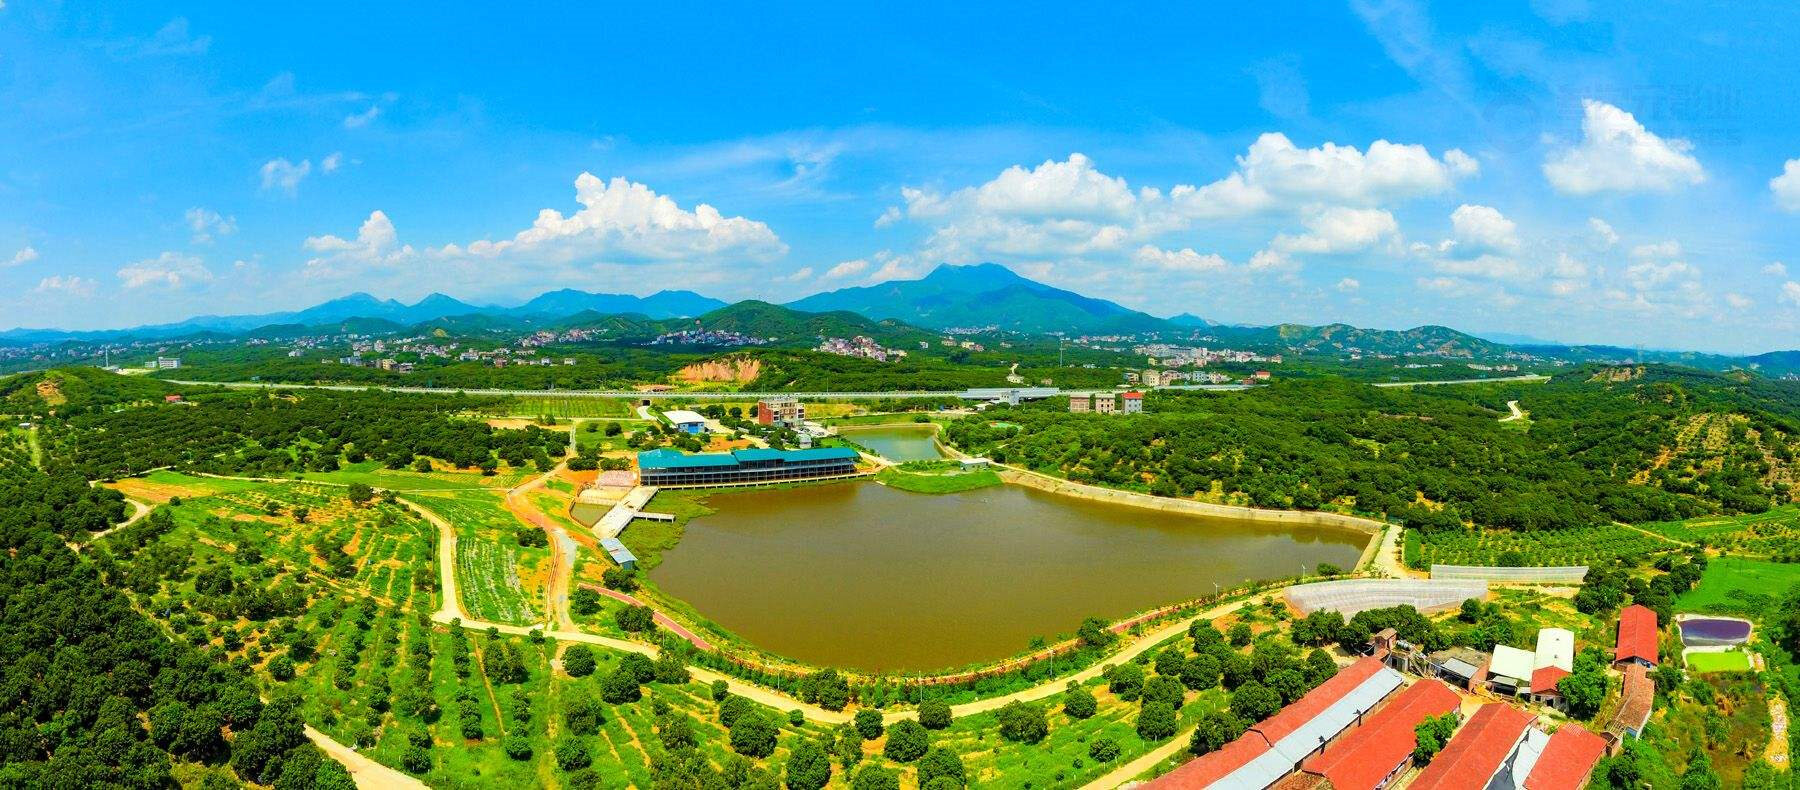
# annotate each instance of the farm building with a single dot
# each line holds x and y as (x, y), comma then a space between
(620, 555)
(783, 412)
(1555, 648)
(1510, 670)
(666, 467)
(1637, 637)
(1567, 760)
(1635, 702)
(1370, 756)
(1479, 751)
(1279, 745)
(686, 421)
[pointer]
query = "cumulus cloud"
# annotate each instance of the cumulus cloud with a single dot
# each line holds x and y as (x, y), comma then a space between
(331, 162)
(1790, 293)
(70, 285)
(25, 255)
(168, 270)
(624, 221)
(1786, 186)
(376, 244)
(1617, 154)
(1182, 260)
(1348, 285)
(1738, 301)
(846, 269)
(1774, 269)
(207, 224)
(1071, 208)
(1339, 230)
(280, 174)
(1479, 229)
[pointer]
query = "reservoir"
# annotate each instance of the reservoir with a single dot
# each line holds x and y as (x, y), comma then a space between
(897, 443)
(862, 576)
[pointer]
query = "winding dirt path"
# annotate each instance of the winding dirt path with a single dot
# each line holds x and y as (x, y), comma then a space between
(368, 774)
(1516, 414)
(661, 619)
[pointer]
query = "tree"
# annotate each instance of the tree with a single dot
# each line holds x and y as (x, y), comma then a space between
(941, 764)
(1093, 633)
(827, 689)
(581, 712)
(1079, 703)
(1700, 774)
(1103, 749)
(1215, 729)
(516, 746)
(1430, 735)
(1240, 634)
(907, 741)
(807, 767)
(1254, 702)
(281, 668)
(616, 578)
(676, 731)
(1156, 721)
(1023, 722)
(868, 724)
(621, 686)
(1319, 667)
(359, 494)
(1668, 677)
(934, 714)
(875, 777)
(578, 661)
(1204, 635)
(1126, 680)
(1470, 610)
(1200, 672)
(670, 670)
(1164, 688)
(1289, 683)
(753, 735)
(1169, 661)
(1582, 692)
(572, 754)
(635, 619)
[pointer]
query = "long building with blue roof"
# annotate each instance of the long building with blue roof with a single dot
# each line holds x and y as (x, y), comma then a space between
(666, 467)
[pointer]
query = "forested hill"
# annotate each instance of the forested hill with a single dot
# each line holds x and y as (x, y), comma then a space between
(1673, 444)
(74, 389)
(789, 327)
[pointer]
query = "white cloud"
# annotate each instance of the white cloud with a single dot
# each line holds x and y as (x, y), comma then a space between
(1348, 285)
(1663, 249)
(361, 119)
(801, 274)
(1274, 173)
(623, 221)
(331, 162)
(172, 39)
(206, 224)
(1786, 186)
(1182, 260)
(846, 269)
(25, 255)
(1738, 301)
(1339, 230)
(1483, 229)
(1790, 293)
(1608, 237)
(68, 285)
(1072, 188)
(889, 216)
(169, 270)
(283, 175)
(1617, 154)
(1774, 269)
(376, 244)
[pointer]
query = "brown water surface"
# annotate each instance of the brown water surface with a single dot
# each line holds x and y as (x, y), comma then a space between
(863, 576)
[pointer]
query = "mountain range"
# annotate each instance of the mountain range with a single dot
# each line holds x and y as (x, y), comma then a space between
(974, 296)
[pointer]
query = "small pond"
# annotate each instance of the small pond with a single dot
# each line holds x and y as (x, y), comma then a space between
(898, 443)
(1714, 631)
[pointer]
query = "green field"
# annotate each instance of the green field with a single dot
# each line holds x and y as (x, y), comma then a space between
(1735, 585)
(937, 482)
(499, 580)
(1775, 533)
(1729, 661)
(375, 475)
(561, 406)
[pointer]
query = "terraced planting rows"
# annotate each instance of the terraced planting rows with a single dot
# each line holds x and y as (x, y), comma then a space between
(375, 475)
(498, 580)
(1775, 533)
(1574, 546)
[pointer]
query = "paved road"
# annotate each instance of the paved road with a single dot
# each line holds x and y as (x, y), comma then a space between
(661, 619)
(1525, 377)
(1513, 405)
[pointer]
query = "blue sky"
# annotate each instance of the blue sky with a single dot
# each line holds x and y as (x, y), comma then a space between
(1572, 170)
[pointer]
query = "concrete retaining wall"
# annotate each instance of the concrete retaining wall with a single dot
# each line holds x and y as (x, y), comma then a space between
(1043, 482)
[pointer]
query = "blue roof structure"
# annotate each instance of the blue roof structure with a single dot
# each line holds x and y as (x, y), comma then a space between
(665, 458)
(615, 549)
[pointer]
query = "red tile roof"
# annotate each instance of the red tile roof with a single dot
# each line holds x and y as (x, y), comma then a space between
(1543, 681)
(1636, 699)
(1203, 771)
(1476, 752)
(1304, 709)
(1637, 634)
(1364, 757)
(1566, 760)
(1133, 396)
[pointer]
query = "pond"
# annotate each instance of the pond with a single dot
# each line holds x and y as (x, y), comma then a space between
(863, 576)
(898, 443)
(1714, 631)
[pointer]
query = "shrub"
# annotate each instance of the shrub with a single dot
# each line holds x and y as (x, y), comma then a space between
(578, 661)
(1163, 688)
(753, 735)
(734, 707)
(517, 747)
(670, 670)
(1156, 722)
(934, 714)
(941, 764)
(1216, 728)
(1079, 703)
(906, 741)
(635, 619)
(807, 767)
(1104, 749)
(572, 754)
(621, 686)
(416, 759)
(1126, 680)
(1023, 722)
(676, 731)
(868, 724)
(875, 777)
